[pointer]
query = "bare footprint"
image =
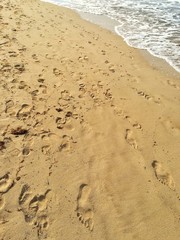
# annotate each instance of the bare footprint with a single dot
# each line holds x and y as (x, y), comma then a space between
(137, 126)
(9, 105)
(60, 122)
(2, 145)
(6, 183)
(172, 84)
(24, 195)
(34, 208)
(46, 150)
(57, 72)
(133, 123)
(130, 140)
(65, 95)
(24, 112)
(42, 225)
(66, 143)
(143, 94)
(19, 67)
(163, 176)
(84, 208)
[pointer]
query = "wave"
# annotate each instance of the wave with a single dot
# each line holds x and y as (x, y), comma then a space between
(152, 25)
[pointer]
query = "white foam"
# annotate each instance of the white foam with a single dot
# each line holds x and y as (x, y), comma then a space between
(152, 25)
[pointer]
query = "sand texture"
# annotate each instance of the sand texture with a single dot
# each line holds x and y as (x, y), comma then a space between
(89, 132)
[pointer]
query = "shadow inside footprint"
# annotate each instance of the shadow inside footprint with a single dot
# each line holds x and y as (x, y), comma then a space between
(6, 183)
(162, 175)
(84, 209)
(130, 140)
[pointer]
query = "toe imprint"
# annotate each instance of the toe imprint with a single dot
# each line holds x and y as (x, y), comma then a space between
(84, 209)
(130, 140)
(163, 176)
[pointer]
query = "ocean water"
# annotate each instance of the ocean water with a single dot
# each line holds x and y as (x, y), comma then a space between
(153, 25)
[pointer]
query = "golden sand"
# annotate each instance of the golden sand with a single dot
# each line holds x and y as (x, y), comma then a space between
(90, 132)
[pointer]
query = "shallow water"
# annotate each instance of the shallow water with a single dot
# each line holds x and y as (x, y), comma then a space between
(152, 25)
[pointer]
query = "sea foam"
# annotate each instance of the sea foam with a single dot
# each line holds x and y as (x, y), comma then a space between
(152, 25)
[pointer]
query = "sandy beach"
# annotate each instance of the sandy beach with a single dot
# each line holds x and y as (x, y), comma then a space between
(89, 132)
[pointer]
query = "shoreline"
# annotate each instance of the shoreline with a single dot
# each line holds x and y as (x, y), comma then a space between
(89, 132)
(160, 64)
(109, 24)
(156, 62)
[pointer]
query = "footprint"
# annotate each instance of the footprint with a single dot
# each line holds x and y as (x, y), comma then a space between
(66, 143)
(41, 80)
(82, 89)
(19, 67)
(143, 94)
(26, 151)
(112, 68)
(65, 95)
(6, 68)
(24, 200)
(63, 103)
(46, 150)
(23, 85)
(34, 209)
(108, 94)
(57, 72)
(24, 195)
(50, 143)
(130, 140)
(24, 112)
(60, 122)
(9, 105)
(42, 225)
(84, 208)
(163, 176)
(2, 145)
(133, 123)
(37, 204)
(6, 183)
(119, 112)
(172, 84)
(34, 94)
(43, 88)
(12, 54)
(137, 126)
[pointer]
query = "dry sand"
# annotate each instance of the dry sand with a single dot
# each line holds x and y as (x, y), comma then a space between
(90, 133)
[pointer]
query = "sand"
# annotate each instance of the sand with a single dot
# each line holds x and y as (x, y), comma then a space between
(90, 132)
